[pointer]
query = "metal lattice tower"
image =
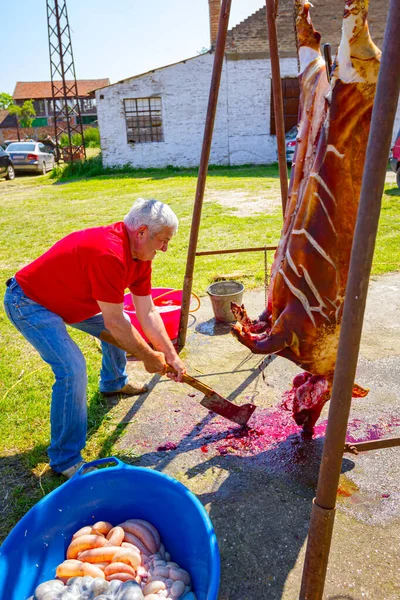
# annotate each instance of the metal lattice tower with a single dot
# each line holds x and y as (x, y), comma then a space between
(66, 106)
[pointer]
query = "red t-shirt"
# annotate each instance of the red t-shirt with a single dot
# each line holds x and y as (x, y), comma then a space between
(85, 266)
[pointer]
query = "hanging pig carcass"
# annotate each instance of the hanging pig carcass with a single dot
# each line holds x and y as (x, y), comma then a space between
(302, 318)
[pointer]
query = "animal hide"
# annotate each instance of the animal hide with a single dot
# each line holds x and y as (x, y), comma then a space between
(308, 279)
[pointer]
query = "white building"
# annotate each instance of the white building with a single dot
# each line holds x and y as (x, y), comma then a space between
(157, 118)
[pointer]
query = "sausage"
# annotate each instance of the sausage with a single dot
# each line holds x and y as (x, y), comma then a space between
(130, 557)
(115, 536)
(153, 587)
(101, 565)
(150, 527)
(119, 567)
(84, 542)
(82, 531)
(142, 533)
(132, 539)
(121, 577)
(102, 527)
(76, 568)
(99, 555)
(131, 546)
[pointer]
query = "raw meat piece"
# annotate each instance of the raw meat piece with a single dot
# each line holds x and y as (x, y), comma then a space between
(308, 278)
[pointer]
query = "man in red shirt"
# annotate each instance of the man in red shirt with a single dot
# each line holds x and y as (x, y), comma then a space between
(81, 281)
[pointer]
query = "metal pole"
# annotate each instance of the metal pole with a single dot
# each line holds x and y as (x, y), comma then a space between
(64, 86)
(16, 118)
(356, 447)
(236, 250)
(203, 167)
(383, 114)
(272, 8)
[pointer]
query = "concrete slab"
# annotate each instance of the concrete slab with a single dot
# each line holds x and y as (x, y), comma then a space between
(258, 487)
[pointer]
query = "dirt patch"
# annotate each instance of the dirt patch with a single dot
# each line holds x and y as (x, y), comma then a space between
(245, 204)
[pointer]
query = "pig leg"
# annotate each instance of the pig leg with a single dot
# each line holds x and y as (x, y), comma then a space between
(264, 343)
(259, 325)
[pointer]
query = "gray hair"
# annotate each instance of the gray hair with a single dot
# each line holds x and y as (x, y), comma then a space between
(154, 214)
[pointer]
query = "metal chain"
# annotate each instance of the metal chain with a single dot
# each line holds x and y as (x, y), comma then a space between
(295, 35)
(266, 278)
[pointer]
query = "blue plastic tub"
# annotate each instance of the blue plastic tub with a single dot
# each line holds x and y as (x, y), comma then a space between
(38, 543)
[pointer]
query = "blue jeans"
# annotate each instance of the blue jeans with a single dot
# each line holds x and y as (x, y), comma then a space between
(47, 332)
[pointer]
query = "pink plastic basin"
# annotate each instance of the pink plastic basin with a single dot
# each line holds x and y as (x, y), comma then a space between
(168, 305)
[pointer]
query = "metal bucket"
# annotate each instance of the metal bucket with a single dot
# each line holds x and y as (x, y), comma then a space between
(222, 293)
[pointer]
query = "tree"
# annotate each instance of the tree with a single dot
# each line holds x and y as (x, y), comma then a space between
(24, 113)
(5, 101)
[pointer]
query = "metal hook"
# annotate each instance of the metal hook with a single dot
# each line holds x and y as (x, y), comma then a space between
(328, 60)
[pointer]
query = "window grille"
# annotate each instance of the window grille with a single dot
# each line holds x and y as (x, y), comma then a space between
(143, 118)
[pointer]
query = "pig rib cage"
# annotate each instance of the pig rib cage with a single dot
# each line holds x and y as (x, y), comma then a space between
(387, 94)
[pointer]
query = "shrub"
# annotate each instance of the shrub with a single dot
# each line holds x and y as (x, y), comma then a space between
(91, 135)
(76, 140)
(79, 168)
(64, 140)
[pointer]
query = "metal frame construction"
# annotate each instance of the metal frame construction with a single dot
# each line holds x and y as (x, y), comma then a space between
(207, 139)
(66, 107)
(387, 94)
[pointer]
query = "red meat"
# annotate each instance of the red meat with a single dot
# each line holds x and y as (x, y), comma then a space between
(308, 278)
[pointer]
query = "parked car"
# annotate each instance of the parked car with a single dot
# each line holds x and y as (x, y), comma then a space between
(290, 144)
(31, 156)
(8, 142)
(6, 165)
(395, 158)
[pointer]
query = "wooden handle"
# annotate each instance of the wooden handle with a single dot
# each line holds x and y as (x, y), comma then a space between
(194, 383)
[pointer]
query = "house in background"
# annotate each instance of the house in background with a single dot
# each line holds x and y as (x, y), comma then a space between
(41, 94)
(157, 118)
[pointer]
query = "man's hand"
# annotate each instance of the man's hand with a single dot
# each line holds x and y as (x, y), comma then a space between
(155, 363)
(177, 364)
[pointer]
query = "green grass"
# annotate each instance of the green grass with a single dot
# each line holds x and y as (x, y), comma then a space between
(37, 211)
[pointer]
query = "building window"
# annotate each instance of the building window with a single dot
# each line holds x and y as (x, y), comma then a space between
(86, 119)
(291, 99)
(143, 120)
(39, 107)
(88, 105)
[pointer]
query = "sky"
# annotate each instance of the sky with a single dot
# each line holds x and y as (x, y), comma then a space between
(110, 38)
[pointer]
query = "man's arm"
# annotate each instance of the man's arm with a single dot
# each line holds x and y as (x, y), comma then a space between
(154, 328)
(128, 338)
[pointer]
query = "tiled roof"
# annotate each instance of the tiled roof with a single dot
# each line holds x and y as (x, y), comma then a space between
(26, 90)
(251, 35)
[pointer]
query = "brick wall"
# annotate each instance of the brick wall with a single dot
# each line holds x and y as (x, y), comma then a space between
(250, 35)
(10, 133)
(214, 10)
